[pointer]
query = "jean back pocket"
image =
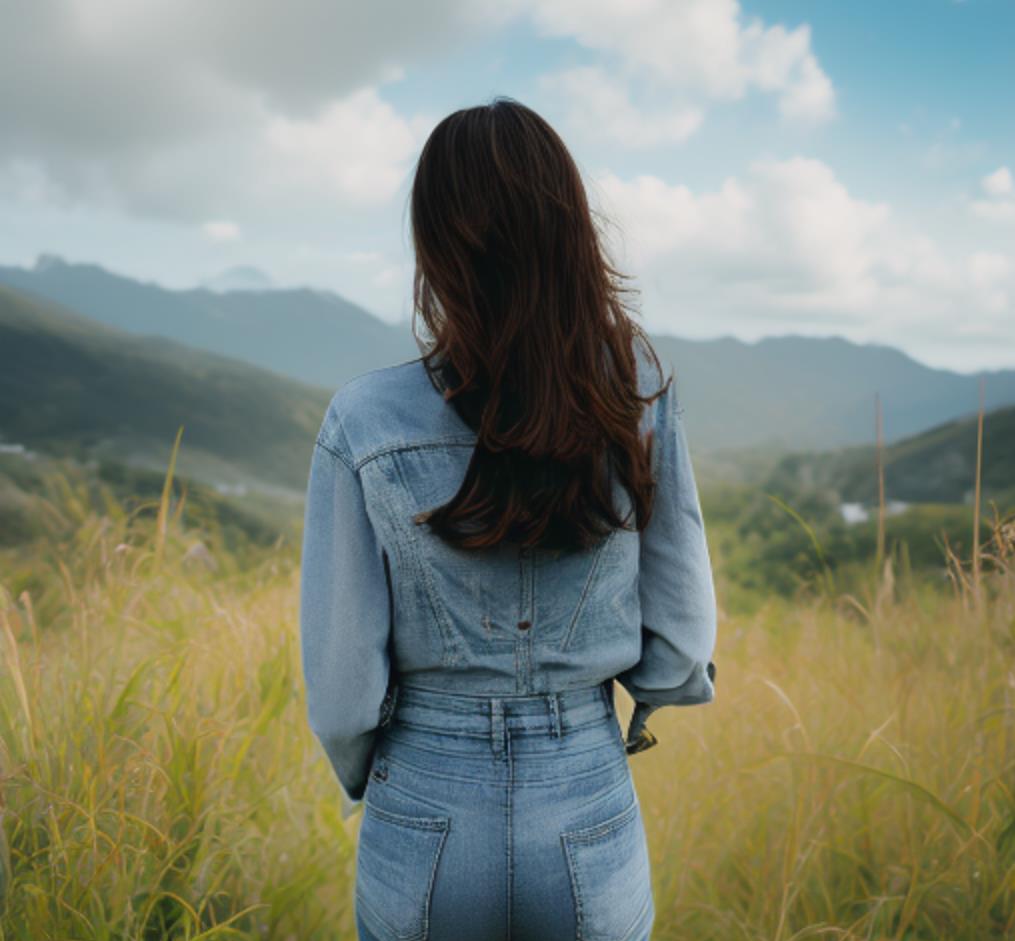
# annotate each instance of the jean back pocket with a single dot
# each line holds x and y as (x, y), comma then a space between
(610, 877)
(396, 863)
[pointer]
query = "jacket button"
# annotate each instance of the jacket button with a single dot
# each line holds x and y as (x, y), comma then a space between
(524, 625)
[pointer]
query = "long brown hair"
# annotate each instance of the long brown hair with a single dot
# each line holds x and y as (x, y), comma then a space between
(531, 340)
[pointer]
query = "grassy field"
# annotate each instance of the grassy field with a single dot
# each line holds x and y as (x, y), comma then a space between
(854, 779)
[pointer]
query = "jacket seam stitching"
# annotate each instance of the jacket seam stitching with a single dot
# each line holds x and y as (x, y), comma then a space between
(418, 446)
(334, 453)
(451, 643)
(590, 580)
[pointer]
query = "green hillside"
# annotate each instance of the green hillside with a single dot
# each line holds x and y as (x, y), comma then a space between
(936, 466)
(72, 387)
(763, 547)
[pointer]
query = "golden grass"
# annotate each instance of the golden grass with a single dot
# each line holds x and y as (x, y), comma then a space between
(855, 777)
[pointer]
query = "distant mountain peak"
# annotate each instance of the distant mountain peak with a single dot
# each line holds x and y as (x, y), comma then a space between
(239, 278)
(44, 261)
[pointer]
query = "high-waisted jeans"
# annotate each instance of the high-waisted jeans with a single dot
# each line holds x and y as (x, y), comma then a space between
(502, 818)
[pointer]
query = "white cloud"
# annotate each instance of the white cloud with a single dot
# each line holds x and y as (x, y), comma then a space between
(250, 107)
(221, 231)
(181, 109)
(998, 183)
(358, 149)
(350, 155)
(950, 152)
(790, 225)
(700, 48)
(787, 246)
(388, 276)
(998, 210)
(598, 108)
(295, 56)
(1000, 204)
(362, 258)
(810, 99)
(991, 274)
(383, 272)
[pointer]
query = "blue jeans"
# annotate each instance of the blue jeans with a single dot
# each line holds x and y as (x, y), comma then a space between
(502, 818)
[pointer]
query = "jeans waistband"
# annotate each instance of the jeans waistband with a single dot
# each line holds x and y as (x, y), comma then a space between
(550, 713)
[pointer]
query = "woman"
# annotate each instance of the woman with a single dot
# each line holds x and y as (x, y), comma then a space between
(494, 532)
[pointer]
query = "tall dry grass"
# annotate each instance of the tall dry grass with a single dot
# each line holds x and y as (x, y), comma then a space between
(855, 777)
(158, 778)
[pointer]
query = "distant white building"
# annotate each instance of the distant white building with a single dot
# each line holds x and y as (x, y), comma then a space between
(234, 490)
(859, 513)
(10, 447)
(853, 512)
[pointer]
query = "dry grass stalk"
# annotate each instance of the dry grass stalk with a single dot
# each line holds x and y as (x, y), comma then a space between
(879, 452)
(976, 502)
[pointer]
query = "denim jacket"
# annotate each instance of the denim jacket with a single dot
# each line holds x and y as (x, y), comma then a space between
(381, 598)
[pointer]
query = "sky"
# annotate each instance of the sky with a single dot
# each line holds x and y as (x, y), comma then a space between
(764, 167)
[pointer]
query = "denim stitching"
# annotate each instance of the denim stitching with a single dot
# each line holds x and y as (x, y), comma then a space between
(390, 785)
(407, 820)
(443, 729)
(554, 715)
(361, 900)
(430, 884)
(589, 582)
(498, 731)
(510, 848)
(326, 447)
(595, 831)
(459, 779)
(461, 694)
(414, 446)
(583, 835)
(428, 896)
(526, 580)
(435, 824)
(450, 640)
(576, 892)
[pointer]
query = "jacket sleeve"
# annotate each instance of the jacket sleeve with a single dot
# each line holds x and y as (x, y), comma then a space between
(344, 619)
(676, 588)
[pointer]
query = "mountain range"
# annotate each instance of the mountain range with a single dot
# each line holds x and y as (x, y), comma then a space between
(313, 336)
(96, 365)
(780, 393)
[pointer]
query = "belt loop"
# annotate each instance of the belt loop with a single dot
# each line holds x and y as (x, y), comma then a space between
(554, 701)
(498, 730)
(606, 688)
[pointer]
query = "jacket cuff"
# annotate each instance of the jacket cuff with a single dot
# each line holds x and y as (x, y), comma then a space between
(696, 689)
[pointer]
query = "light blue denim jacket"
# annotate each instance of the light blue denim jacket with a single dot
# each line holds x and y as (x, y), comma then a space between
(381, 598)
